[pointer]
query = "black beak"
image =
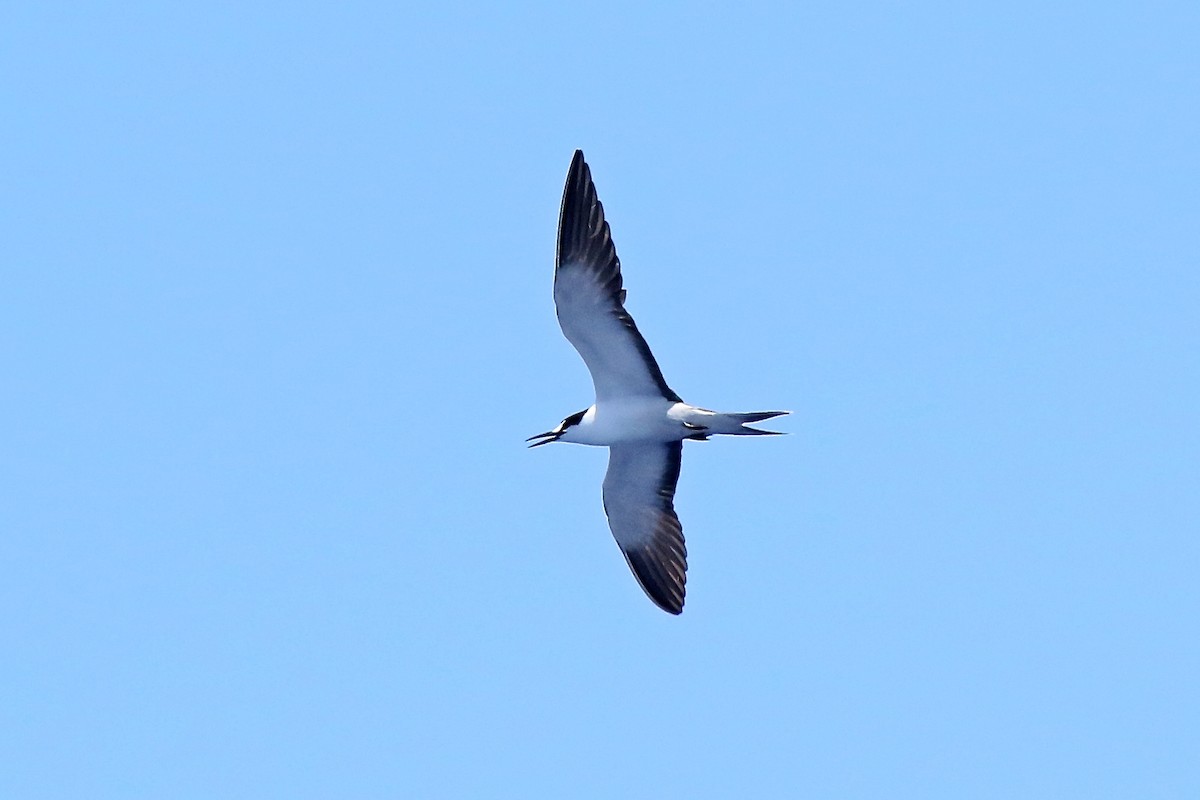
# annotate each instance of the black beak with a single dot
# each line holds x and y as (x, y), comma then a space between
(547, 438)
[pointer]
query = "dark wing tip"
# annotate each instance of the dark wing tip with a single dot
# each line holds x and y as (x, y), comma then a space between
(583, 233)
(660, 563)
(578, 176)
(663, 580)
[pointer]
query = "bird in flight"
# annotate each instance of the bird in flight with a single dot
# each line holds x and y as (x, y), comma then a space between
(636, 415)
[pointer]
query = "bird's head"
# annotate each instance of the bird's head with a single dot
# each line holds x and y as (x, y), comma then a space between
(556, 434)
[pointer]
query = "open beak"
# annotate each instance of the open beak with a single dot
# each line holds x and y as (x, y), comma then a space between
(546, 438)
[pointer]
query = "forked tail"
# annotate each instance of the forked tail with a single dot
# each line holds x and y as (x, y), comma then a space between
(736, 424)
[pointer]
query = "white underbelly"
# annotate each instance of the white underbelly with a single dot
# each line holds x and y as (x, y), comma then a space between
(633, 420)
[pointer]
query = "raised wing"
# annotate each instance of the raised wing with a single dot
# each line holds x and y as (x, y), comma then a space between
(639, 499)
(590, 300)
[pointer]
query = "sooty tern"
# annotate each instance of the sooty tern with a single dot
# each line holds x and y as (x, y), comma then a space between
(636, 415)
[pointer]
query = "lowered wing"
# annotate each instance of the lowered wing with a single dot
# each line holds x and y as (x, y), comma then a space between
(639, 499)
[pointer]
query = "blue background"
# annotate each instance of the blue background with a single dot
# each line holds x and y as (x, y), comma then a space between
(276, 316)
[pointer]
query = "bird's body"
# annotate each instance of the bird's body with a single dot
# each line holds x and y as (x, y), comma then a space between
(636, 415)
(627, 420)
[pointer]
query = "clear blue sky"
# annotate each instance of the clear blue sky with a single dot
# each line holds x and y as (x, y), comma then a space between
(276, 317)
